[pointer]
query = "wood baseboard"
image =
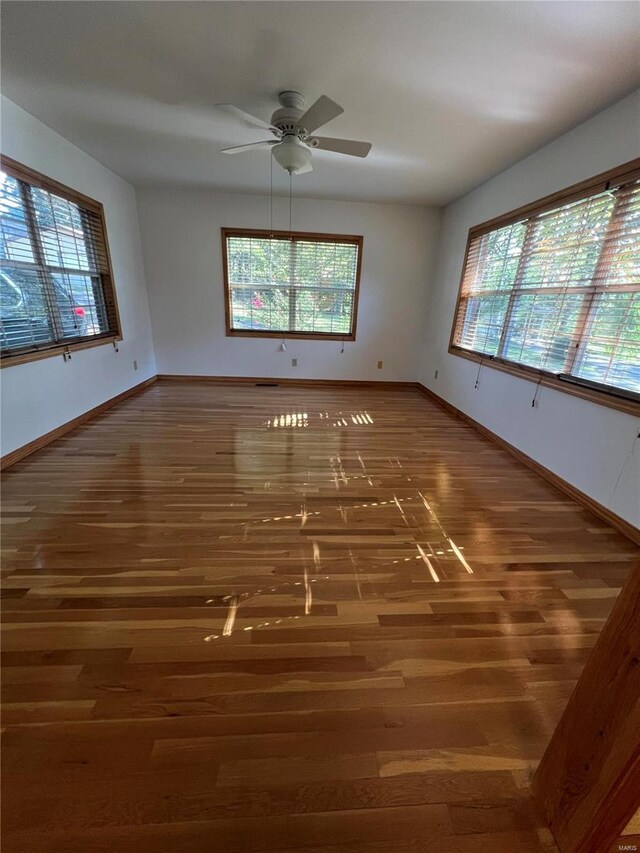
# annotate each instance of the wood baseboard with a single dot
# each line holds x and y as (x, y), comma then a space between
(620, 524)
(252, 380)
(27, 449)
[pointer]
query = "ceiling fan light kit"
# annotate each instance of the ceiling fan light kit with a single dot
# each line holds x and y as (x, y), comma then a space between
(293, 155)
(293, 128)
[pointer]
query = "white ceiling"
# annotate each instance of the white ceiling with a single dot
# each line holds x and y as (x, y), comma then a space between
(449, 93)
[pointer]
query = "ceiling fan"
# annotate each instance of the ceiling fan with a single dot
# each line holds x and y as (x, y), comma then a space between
(293, 128)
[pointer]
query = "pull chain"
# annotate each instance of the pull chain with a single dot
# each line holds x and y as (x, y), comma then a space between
(478, 374)
(270, 218)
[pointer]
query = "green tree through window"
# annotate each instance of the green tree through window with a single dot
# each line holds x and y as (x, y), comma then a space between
(559, 291)
(301, 284)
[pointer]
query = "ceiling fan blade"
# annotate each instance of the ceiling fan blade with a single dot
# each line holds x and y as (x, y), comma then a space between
(323, 111)
(254, 120)
(343, 146)
(238, 149)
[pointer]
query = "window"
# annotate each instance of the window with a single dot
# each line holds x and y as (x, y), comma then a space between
(298, 285)
(555, 288)
(55, 279)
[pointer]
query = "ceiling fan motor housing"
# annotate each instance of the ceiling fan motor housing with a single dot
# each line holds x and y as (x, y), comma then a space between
(292, 99)
(286, 118)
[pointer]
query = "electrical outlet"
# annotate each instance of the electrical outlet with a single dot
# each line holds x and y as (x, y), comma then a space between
(294, 362)
(135, 365)
(435, 375)
(380, 365)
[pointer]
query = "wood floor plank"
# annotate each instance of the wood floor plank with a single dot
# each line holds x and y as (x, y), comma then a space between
(222, 634)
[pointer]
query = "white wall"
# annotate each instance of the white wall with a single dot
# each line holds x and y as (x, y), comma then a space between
(584, 443)
(182, 252)
(41, 395)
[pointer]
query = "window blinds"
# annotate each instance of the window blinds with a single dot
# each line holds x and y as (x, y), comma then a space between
(560, 290)
(291, 284)
(55, 282)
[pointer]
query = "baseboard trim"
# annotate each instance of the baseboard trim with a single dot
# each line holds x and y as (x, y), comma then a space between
(620, 524)
(252, 380)
(27, 449)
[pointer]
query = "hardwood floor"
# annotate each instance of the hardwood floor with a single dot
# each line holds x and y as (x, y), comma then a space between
(318, 620)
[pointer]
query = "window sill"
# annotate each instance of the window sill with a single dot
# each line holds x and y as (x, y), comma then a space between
(549, 380)
(299, 336)
(36, 355)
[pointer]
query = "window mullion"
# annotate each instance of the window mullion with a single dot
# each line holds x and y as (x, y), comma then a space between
(590, 301)
(40, 259)
(517, 284)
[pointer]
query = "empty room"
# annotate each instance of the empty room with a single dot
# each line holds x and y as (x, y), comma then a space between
(320, 329)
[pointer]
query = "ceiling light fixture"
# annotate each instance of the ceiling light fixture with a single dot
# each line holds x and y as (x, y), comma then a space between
(293, 155)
